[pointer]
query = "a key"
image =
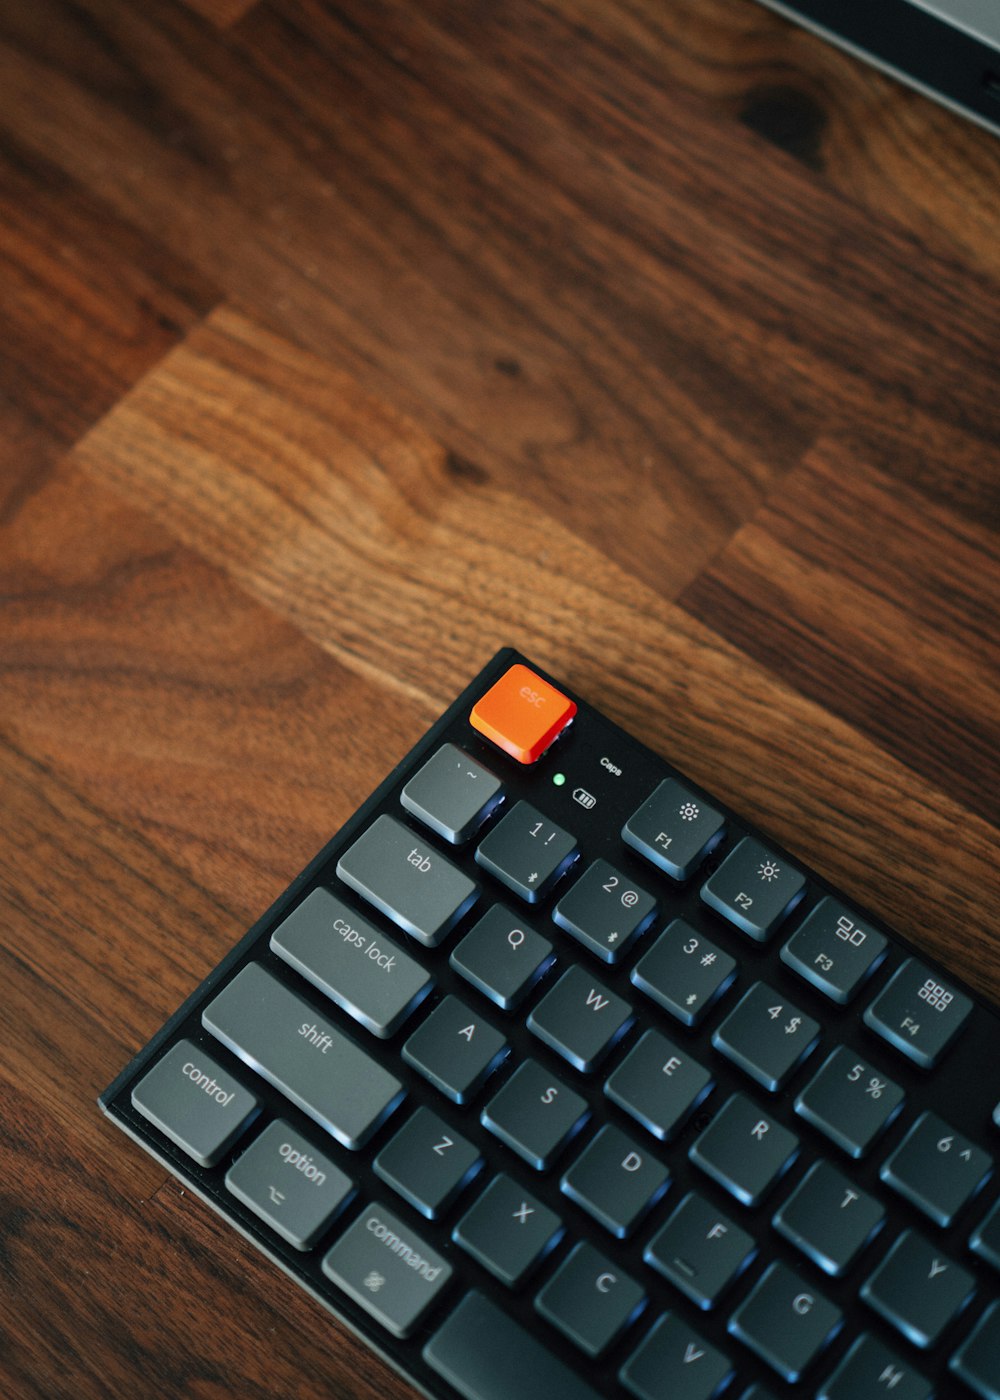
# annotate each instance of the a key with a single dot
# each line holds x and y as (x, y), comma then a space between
(605, 910)
(590, 1300)
(675, 1363)
(346, 957)
(977, 1360)
(526, 852)
(195, 1102)
(452, 794)
(304, 1055)
(985, 1239)
(615, 1180)
(508, 1231)
(918, 1289)
(834, 950)
(674, 829)
(580, 1019)
(535, 1114)
(870, 1371)
(428, 1163)
(937, 1169)
(754, 889)
(700, 1250)
(786, 1322)
(387, 1269)
(455, 1049)
(767, 1036)
(503, 957)
(290, 1184)
(829, 1218)
(408, 880)
(918, 1014)
(684, 973)
(659, 1085)
(744, 1150)
(850, 1102)
(522, 714)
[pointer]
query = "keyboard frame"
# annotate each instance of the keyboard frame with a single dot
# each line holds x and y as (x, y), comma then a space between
(958, 1082)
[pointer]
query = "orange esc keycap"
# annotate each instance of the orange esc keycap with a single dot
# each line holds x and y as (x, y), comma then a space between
(522, 714)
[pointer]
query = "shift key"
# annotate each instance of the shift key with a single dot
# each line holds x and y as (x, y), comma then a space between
(303, 1055)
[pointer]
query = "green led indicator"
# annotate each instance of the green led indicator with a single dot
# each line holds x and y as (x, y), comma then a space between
(558, 779)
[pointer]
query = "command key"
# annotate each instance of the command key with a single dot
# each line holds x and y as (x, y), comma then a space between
(386, 1267)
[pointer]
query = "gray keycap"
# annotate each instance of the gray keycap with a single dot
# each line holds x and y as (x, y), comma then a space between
(870, 1371)
(502, 957)
(535, 1114)
(674, 1363)
(616, 1180)
(834, 950)
(527, 852)
(508, 1231)
(754, 889)
(405, 877)
(684, 973)
(937, 1169)
(700, 1250)
(290, 1184)
(659, 1084)
(849, 1101)
(829, 1218)
(590, 1300)
(198, 1105)
(485, 1355)
(918, 1014)
(452, 794)
(674, 829)
(388, 1269)
(744, 1150)
(918, 1289)
(353, 964)
(985, 1239)
(767, 1036)
(303, 1055)
(456, 1049)
(605, 910)
(580, 1019)
(977, 1360)
(428, 1163)
(785, 1321)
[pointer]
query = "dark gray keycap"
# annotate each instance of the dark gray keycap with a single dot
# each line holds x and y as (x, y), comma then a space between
(616, 1180)
(870, 1371)
(605, 910)
(985, 1240)
(508, 1231)
(428, 1163)
(526, 852)
(674, 1363)
(535, 1114)
(387, 1269)
(590, 1299)
(485, 1355)
(674, 829)
(580, 1019)
(405, 877)
(195, 1102)
(937, 1169)
(918, 1014)
(754, 889)
(786, 1322)
(829, 1218)
(502, 957)
(757, 1392)
(452, 794)
(455, 1049)
(918, 1289)
(684, 973)
(353, 964)
(700, 1250)
(849, 1101)
(977, 1360)
(834, 950)
(744, 1150)
(290, 1184)
(303, 1055)
(767, 1036)
(659, 1084)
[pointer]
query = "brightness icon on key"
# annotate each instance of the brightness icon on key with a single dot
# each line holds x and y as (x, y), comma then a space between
(768, 870)
(689, 811)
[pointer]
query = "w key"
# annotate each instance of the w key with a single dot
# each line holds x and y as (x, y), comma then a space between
(581, 1019)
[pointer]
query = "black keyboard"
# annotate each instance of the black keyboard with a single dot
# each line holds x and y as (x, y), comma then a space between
(553, 1079)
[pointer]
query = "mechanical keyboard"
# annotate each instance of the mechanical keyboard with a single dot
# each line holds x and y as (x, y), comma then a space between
(553, 1078)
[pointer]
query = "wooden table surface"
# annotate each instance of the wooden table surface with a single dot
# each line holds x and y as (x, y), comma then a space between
(344, 342)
